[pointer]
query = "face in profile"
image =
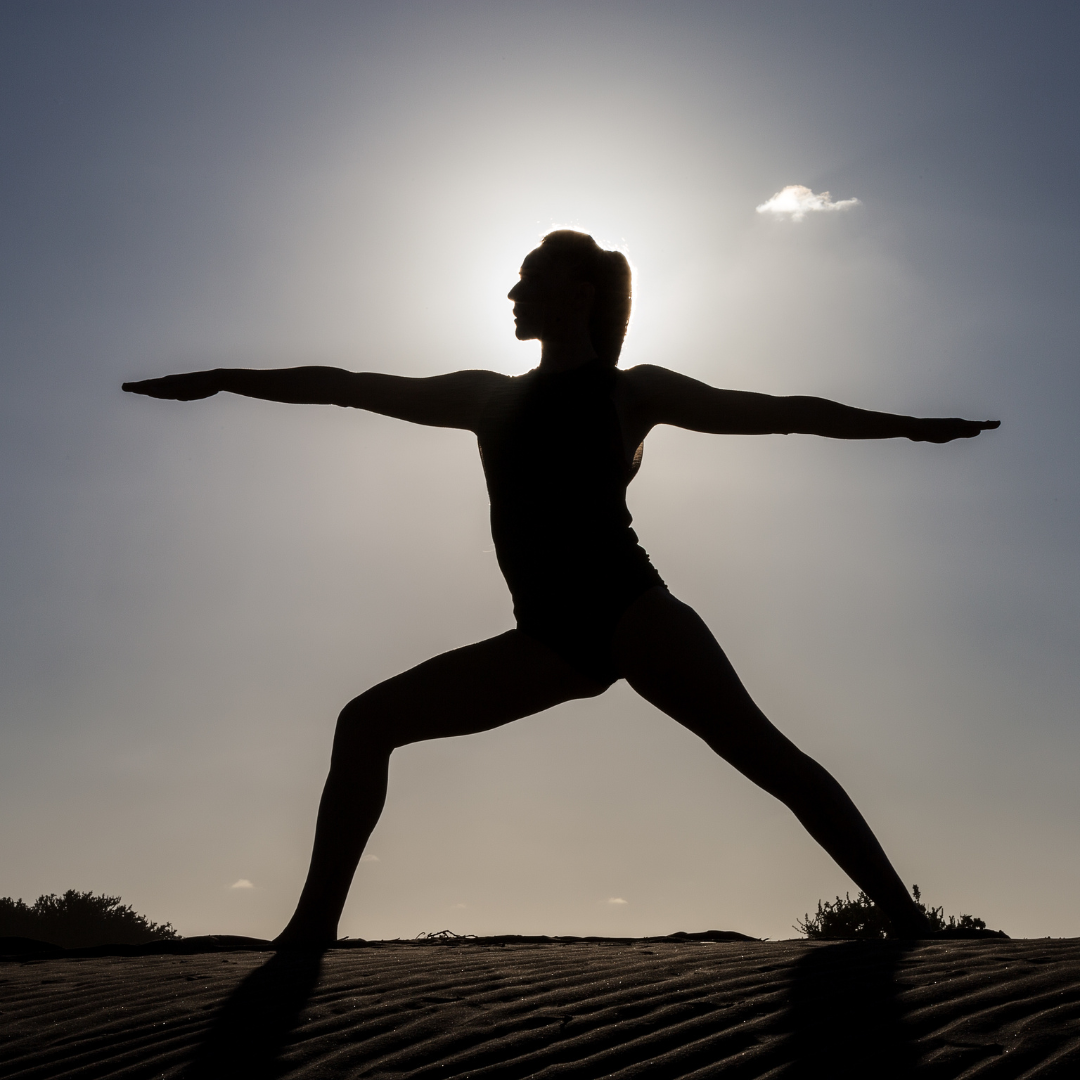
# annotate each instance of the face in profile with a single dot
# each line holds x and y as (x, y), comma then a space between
(549, 305)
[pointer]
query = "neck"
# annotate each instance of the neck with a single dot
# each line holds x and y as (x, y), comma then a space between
(565, 355)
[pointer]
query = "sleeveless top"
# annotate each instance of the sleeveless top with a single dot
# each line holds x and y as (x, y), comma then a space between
(557, 475)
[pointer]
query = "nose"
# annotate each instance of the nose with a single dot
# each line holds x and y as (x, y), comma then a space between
(512, 294)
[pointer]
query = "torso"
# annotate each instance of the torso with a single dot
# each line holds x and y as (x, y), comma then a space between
(558, 457)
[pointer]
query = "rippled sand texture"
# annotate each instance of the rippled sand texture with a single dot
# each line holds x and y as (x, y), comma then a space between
(859, 1009)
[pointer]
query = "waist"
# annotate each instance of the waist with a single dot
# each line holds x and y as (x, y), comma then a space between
(568, 566)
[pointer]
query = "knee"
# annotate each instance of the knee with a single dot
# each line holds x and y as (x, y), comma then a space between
(365, 723)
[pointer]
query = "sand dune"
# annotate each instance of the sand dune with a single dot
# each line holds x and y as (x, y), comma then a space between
(505, 1008)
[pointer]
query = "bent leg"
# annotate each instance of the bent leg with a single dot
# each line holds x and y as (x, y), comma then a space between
(669, 656)
(462, 692)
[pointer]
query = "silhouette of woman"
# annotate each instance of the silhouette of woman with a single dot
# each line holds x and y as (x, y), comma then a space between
(559, 446)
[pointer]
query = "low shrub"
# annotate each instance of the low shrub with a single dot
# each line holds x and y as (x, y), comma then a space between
(78, 920)
(861, 918)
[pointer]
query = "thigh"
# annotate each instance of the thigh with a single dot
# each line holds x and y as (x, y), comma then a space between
(468, 690)
(669, 656)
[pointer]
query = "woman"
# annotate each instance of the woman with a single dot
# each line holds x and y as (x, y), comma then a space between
(559, 446)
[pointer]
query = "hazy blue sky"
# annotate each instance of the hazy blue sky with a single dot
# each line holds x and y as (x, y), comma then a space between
(190, 592)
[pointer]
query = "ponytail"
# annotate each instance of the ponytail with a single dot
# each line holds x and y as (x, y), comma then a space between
(609, 274)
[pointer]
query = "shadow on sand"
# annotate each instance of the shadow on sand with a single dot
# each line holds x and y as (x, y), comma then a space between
(846, 1013)
(256, 1021)
(845, 1019)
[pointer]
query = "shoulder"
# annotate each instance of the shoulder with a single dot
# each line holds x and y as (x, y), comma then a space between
(653, 387)
(640, 392)
(654, 375)
(663, 396)
(503, 397)
(649, 379)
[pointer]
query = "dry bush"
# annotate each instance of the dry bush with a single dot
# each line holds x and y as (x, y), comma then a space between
(79, 920)
(861, 918)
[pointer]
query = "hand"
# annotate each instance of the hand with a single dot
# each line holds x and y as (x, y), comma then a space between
(942, 430)
(190, 386)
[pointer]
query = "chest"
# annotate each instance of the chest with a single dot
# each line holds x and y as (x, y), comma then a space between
(567, 427)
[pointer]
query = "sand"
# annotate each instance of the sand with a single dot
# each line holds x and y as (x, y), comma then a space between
(515, 1008)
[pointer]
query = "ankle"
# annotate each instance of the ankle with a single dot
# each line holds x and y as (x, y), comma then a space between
(301, 935)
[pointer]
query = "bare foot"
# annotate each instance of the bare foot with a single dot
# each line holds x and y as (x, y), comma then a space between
(915, 927)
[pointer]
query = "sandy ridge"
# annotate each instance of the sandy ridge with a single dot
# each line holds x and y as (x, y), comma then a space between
(579, 1009)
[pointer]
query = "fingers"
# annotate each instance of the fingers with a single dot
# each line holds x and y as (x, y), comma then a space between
(187, 387)
(977, 427)
(156, 388)
(141, 387)
(945, 429)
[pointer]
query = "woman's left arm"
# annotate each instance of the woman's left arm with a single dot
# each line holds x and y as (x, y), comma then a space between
(666, 397)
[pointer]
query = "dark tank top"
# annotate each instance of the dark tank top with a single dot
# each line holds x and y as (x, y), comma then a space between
(557, 475)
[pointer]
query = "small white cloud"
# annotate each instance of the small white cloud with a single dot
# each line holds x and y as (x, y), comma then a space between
(243, 883)
(369, 858)
(617, 900)
(798, 201)
(461, 905)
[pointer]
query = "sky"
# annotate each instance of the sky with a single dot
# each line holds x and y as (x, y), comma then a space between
(189, 593)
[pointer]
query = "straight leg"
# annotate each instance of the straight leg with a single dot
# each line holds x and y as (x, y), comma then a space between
(669, 656)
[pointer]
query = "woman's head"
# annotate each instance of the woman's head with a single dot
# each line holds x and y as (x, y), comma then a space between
(572, 259)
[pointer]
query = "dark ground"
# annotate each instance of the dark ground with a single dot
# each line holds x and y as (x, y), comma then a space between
(511, 1008)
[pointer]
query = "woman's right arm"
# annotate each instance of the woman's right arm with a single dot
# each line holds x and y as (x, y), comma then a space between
(455, 400)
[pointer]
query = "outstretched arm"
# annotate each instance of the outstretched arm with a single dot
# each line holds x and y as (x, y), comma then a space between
(665, 397)
(454, 400)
